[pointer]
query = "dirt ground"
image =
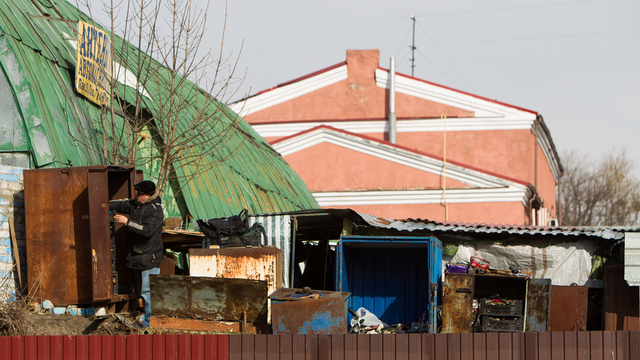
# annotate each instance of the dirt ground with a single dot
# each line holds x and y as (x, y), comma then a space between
(77, 325)
(45, 324)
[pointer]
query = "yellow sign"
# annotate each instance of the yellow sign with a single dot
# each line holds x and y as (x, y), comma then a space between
(93, 69)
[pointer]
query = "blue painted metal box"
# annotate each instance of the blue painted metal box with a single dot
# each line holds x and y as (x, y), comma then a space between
(395, 278)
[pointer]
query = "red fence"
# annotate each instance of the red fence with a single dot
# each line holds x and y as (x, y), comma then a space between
(596, 345)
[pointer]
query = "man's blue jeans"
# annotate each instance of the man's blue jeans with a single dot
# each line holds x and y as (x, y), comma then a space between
(145, 291)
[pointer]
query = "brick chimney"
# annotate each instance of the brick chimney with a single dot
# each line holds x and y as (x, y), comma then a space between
(361, 66)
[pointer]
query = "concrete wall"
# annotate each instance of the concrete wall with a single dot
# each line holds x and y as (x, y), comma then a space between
(11, 208)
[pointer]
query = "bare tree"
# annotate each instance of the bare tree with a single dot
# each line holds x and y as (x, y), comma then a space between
(168, 113)
(605, 193)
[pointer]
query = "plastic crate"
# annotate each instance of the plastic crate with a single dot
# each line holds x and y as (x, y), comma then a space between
(487, 308)
(509, 324)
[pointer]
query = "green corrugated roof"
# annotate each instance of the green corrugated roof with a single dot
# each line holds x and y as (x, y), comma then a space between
(43, 115)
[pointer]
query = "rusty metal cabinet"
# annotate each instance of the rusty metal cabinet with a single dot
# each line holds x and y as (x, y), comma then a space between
(69, 249)
(460, 290)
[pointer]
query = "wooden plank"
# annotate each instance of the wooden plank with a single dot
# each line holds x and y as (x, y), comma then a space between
(402, 346)
(453, 346)
(622, 345)
(429, 346)
(584, 346)
(493, 346)
(466, 346)
(298, 344)
(350, 346)
(363, 351)
(337, 346)
(517, 340)
(544, 345)
(197, 347)
(608, 345)
(286, 347)
(505, 346)
(311, 349)
(389, 347)
(415, 352)
(235, 347)
(260, 347)
(16, 252)
(557, 345)
(441, 346)
(375, 344)
(479, 346)
(596, 345)
(571, 345)
(248, 346)
(634, 345)
(324, 347)
(273, 347)
(531, 346)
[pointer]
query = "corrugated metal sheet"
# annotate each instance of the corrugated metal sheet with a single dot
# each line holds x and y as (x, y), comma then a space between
(448, 226)
(278, 231)
(46, 117)
(632, 258)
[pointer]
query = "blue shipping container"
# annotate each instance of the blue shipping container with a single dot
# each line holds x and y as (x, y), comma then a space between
(395, 278)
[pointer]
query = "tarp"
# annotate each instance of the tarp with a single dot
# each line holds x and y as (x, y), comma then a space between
(564, 263)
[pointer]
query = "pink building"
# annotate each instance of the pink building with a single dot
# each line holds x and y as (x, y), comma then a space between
(455, 157)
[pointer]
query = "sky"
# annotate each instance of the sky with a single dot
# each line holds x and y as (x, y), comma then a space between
(575, 62)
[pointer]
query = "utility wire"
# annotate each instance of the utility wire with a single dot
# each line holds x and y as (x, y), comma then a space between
(445, 56)
(555, 4)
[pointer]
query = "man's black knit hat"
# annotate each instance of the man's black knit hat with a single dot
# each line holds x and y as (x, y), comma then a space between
(146, 187)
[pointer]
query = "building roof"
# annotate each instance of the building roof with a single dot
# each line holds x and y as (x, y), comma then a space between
(489, 114)
(48, 123)
(320, 224)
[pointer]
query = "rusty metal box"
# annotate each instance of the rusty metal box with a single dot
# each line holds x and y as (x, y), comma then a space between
(69, 247)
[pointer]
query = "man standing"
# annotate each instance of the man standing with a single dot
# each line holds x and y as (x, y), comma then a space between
(144, 241)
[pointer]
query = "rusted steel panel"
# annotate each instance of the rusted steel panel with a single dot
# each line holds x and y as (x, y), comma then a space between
(58, 264)
(209, 298)
(61, 207)
(182, 325)
(457, 299)
(102, 280)
(538, 293)
(325, 315)
(620, 301)
(568, 310)
(264, 263)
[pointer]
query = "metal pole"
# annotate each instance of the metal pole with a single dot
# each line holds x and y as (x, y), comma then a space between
(413, 45)
(392, 101)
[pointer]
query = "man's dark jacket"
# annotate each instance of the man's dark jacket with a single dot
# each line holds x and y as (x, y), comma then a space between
(145, 232)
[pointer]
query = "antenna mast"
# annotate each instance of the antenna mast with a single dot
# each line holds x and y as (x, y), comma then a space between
(413, 45)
